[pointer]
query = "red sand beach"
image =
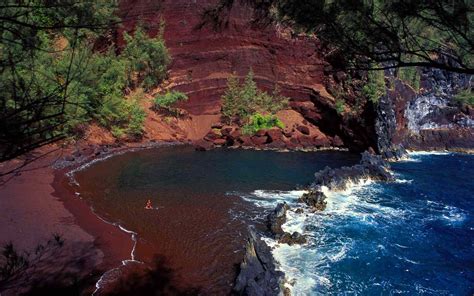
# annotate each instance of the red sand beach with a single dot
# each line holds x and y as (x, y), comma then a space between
(34, 205)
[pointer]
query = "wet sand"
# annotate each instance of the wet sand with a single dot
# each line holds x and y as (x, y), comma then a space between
(34, 205)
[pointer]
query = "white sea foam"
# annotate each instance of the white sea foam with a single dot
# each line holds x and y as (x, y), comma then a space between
(417, 156)
(305, 265)
(450, 214)
(433, 152)
(269, 199)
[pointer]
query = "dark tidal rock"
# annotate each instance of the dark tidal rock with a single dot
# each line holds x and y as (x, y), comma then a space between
(277, 218)
(258, 274)
(314, 199)
(370, 167)
(291, 239)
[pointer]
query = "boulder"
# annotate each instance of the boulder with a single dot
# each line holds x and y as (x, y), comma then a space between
(303, 129)
(226, 130)
(220, 142)
(212, 135)
(314, 199)
(235, 134)
(274, 134)
(292, 239)
(202, 145)
(277, 218)
(245, 141)
(259, 140)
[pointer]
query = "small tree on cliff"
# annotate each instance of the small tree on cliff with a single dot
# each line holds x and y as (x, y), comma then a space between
(244, 100)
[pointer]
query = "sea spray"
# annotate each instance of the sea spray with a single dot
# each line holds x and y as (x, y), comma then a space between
(379, 238)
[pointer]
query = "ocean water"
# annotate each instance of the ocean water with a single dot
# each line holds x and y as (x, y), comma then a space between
(414, 236)
(198, 227)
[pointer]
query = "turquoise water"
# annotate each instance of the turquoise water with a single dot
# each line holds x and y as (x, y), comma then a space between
(411, 237)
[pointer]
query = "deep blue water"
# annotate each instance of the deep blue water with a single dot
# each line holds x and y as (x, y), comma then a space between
(411, 237)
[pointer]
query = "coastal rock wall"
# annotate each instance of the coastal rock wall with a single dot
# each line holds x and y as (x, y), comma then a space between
(430, 119)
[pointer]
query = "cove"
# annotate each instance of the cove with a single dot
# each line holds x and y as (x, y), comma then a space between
(199, 225)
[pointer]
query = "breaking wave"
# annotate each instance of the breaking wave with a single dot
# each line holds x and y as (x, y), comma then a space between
(377, 238)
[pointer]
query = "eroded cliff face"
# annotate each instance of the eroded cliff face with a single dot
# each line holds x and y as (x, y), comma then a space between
(430, 119)
(205, 55)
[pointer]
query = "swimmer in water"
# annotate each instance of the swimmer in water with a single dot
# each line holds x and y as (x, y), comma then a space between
(148, 205)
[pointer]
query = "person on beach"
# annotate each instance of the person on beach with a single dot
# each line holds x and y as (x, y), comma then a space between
(148, 205)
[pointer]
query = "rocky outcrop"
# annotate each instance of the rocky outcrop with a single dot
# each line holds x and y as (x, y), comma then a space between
(429, 119)
(292, 239)
(289, 138)
(371, 167)
(385, 128)
(258, 274)
(277, 218)
(315, 199)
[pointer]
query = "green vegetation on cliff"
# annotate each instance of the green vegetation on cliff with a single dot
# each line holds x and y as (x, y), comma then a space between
(261, 122)
(168, 100)
(53, 80)
(374, 89)
(465, 97)
(246, 102)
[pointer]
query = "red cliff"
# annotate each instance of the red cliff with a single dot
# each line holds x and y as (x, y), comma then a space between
(204, 56)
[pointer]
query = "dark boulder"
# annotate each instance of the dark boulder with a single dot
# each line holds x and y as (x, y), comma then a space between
(291, 239)
(303, 129)
(314, 199)
(371, 166)
(277, 218)
(202, 145)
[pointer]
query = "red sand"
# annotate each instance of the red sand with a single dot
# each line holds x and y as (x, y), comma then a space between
(34, 205)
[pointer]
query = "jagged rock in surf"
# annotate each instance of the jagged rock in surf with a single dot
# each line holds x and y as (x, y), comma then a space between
(371, 166)
(274, 222)
(277, 218)
(258, 274)
(314, 199)
(291, 239)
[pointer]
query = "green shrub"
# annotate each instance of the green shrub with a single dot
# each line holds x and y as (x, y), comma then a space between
(339, 105)
(375, 86)
(167, 101)
(411, 76)
(147, 57)
(244, 99)
(465, 97)
(261, 122)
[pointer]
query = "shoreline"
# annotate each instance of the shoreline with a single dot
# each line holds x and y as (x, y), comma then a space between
(71, 216)
(116, 242)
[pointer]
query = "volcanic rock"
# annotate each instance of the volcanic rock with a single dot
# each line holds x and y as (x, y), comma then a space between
(258, 274)
(315, 199)
(202, 145)
(370, 167)
(277, 218)
(292, 239)
(259, 140)
(303, 129)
